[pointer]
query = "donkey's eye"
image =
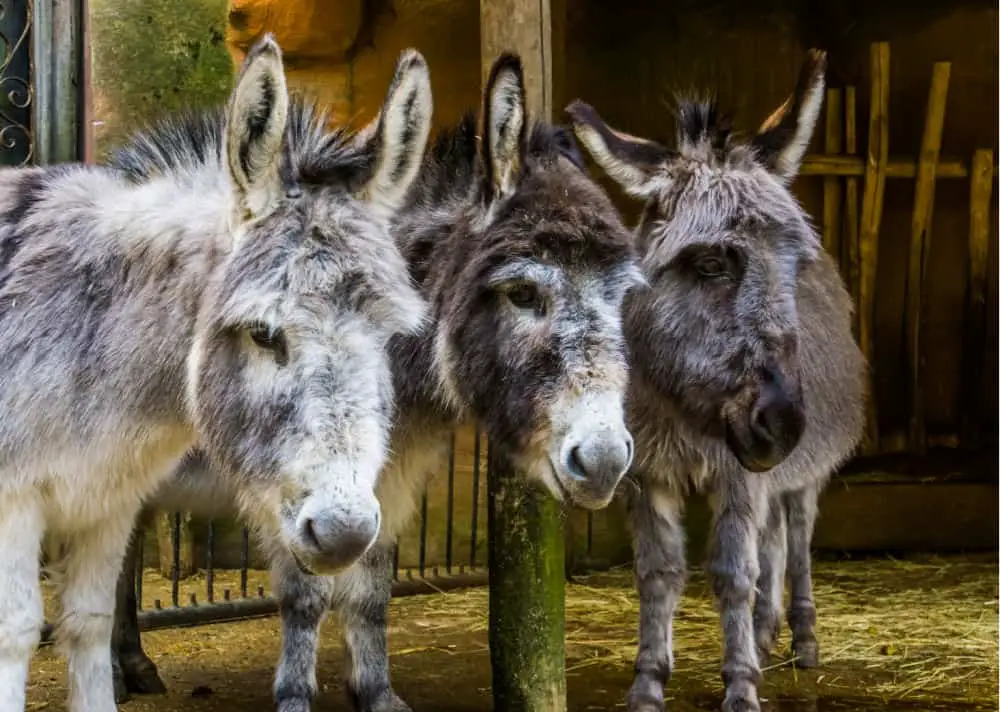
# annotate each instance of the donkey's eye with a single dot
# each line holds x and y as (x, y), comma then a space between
(526, 296)
(712, 267)
(269, 339)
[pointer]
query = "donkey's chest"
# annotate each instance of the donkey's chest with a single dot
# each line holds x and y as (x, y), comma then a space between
(109, 478)
(420, 450)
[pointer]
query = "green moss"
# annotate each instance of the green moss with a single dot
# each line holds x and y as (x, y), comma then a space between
(153, 57)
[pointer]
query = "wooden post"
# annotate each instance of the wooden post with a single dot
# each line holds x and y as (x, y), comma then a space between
(871, 218)
(527, 572)
(980, 191)
(526, 535)
(852, 221)
(920, 245)
(832, 189)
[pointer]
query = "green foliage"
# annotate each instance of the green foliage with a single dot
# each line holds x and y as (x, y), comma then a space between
(153, 57)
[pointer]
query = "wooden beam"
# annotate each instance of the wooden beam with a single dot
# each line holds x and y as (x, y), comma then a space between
(526, 530)
(851, 218)
(871, 219)
(816, 164)
(920, 245)
(832, 188)
(974, 332)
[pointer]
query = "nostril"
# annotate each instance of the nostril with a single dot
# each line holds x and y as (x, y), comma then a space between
(629, 450)
(575, 463)
(309, 534)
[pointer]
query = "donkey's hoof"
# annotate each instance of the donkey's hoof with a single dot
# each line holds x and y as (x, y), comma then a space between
(741, 697)
(144, 681)
(646, 694)
(806, 653)
(390, 702)
(293, 704)
(121, 689)
(644, 703)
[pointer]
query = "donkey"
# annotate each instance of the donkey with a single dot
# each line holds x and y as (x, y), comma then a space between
(229, 280)
(746, 383)
(526, 264)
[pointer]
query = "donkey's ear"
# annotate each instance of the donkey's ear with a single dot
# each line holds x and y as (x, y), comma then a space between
(783, 138)
(255, 127)
(504, 126)
(398, 135)
(631, 161)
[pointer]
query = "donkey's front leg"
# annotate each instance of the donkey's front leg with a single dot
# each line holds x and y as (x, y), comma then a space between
(363, 595)
(801, 507)
(739, 508)
(771, 582)
(303, 601)
(21, 614)
(660, 574)
(93, 561)
(134, 671)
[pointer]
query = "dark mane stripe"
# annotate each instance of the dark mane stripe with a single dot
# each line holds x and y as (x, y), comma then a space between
(314, 153)
(699, 121)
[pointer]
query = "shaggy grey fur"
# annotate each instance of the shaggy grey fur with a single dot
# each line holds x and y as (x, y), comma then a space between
(746, 382)
(229, 280)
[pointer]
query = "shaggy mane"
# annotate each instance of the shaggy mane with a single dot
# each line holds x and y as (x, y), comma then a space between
(453, 159)
(313, 153)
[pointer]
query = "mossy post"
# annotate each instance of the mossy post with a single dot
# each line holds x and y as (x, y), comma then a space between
(527, 593)
(526, 535)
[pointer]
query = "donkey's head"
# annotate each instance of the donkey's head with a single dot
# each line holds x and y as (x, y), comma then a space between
(722, 242)
(289, 378)
(530, 334)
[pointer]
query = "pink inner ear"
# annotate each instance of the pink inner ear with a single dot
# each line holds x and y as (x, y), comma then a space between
(774, 119)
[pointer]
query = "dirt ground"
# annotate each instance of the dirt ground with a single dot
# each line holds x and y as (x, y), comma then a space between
(914, 635)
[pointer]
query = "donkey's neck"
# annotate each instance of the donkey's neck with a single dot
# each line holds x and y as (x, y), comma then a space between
(153, 248)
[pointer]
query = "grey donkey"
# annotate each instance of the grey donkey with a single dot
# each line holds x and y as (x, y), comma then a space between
(746, 382)
(229, 280)
(526, 264)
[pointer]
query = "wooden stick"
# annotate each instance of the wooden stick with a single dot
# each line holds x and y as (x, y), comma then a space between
(974, 336)
(832, 193)
(852, 248)
(871, 219)
(920, 246)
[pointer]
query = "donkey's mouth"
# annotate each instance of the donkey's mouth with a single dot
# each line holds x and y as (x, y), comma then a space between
(560, 488)
(302, 566)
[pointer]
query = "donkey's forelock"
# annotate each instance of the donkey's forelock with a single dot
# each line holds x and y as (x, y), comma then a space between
(313, 153)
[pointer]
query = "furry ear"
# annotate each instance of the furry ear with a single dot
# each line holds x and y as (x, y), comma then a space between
(631, 161)
(255, 128)
(784, 136)
(504, 128)
(398, 135)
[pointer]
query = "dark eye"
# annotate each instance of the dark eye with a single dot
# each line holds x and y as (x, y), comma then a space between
(712, 267)
(270, 339)
(526, 296)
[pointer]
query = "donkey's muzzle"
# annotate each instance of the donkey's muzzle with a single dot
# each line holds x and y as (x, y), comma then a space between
(334, 539)
(596, 464)
(773, 427)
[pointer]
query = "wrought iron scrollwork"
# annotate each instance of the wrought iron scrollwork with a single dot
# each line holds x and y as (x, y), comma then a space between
(16, 93)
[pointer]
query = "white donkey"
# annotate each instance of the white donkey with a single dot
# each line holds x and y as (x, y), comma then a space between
(231, 281)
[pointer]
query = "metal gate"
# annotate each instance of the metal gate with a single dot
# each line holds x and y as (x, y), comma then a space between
(41, 87)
